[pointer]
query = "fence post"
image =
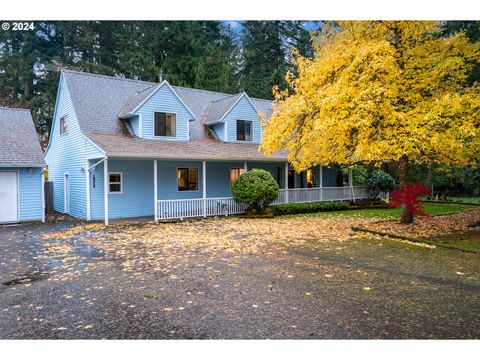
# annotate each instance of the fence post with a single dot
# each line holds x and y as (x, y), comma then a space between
(350, 182)
(321, 183)
(204, 187)
(286, 182)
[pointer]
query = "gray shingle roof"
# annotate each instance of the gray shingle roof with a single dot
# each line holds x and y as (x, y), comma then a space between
(19, 144)
(137, 99)
(117, 145)
(219, 108)
(99, 102)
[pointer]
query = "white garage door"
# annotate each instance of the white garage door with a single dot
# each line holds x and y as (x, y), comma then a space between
(8, 196)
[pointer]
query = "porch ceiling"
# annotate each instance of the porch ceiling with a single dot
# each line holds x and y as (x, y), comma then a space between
(116, 145)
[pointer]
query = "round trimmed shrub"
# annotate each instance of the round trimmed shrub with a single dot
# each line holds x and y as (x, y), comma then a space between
(379, 181)
(256, 188)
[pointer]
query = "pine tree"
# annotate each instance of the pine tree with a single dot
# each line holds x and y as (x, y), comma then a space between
(266, 47)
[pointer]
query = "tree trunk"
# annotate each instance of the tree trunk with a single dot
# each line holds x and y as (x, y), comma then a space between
(407, 215)
(430, 178)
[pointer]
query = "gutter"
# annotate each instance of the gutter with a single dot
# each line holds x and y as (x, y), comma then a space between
(176, 157)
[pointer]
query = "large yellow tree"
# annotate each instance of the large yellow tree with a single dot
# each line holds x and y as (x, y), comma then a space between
(379, 91)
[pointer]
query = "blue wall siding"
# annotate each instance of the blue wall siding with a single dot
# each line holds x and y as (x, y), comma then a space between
(243, 110)
(30, 193)
(270, 167)
(31, 204)
(219, 130)
(329, 177)
(164, 100)
(135, 124)
(137, 196)
(218, 178)
(167, 180)
(67, 154)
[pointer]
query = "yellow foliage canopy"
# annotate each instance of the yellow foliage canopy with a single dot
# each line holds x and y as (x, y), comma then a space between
(379, 91)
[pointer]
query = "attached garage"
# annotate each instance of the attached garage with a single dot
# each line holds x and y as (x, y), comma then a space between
(21, 168)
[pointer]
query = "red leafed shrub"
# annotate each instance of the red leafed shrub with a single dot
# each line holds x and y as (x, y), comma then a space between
(407, 196)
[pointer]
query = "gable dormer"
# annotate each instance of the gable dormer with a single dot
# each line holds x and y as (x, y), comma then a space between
(158, 113)
(235, 119)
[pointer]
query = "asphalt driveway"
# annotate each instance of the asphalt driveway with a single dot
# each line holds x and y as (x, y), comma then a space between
(70, 280)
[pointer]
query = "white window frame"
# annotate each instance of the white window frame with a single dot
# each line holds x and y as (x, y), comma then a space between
(63, 126)
(154, 125)
(114, 183)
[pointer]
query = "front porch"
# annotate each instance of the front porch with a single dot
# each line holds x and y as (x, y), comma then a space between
(120, 188)
(224, 206)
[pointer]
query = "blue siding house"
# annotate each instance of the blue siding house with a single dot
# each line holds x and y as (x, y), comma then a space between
(123, 148)
(21, 168)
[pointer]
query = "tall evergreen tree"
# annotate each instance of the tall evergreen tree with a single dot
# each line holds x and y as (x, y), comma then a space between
(266, 53)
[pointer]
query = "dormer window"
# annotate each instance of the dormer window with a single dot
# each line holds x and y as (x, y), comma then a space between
(63, 125)
(165, 124)
(244, 130)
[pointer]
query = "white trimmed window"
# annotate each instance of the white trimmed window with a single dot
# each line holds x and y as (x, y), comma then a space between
(187, 179)
(115, 183)
(63, 125)
(244, 130)
(165, 124)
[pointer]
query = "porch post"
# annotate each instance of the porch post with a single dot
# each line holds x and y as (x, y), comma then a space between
(105, 190)
(245, 167)
(204, 187)
(87, 184)
(350, 182)
(286, 182)
(321, 183)
(43, 193)
(155, 189)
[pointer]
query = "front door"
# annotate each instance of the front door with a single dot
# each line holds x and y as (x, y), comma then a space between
(8, 196)
(66, 199)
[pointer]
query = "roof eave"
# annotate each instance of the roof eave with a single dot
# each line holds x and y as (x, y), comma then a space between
(22, 165)
(192, 157)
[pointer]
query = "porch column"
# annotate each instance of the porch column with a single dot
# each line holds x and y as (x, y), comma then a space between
(105, 190)
(321, 183)
(350, 182)
(286, 182)
(43, 193)
(87, 184)
(245, 167)
(155, 189)
(204, 187)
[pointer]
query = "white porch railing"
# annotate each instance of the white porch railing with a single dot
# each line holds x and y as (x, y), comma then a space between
(188, 208)
(223, 206)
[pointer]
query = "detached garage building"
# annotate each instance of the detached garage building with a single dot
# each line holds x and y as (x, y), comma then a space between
(21, 168)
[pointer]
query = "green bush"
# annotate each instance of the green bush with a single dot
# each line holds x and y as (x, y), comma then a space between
(379, 181)
(256, 188)
(313, 207)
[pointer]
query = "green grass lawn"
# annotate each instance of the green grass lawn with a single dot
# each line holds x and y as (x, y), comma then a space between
(471, 200)
(430, 208)
(460, 241)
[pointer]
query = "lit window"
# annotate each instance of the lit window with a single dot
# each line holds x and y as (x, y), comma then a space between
(63, 125)
(187, 179)
(235, 173)
(311, 178)
(115, 183)
(165, 124)
(244, 130)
